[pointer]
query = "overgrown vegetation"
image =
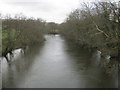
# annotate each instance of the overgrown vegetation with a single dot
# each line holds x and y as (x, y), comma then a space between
(52, 28)
(96, 25)
(20, 32)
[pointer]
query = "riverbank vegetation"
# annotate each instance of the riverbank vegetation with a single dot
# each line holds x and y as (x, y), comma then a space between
(20, 32)
(52, 28)
(95, 25)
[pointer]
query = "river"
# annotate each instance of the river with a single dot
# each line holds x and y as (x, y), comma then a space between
(59, 64)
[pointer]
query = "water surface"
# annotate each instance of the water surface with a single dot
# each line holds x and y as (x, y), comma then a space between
(59, 64)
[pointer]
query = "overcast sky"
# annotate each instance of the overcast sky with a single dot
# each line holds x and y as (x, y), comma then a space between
(49, 10)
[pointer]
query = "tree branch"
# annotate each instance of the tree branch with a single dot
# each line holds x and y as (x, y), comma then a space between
(101, 30)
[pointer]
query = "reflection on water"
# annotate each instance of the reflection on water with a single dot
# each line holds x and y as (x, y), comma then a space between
(59, 64)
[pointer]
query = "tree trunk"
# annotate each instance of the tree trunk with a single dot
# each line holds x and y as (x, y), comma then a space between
(6, 58)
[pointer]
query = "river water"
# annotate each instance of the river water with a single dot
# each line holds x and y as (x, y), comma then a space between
(59, 64)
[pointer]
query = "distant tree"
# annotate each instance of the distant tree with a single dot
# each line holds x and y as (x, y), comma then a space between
(51, 28)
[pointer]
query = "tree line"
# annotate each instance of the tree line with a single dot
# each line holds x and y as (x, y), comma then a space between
(95, 25)
(20, 32)
(52, 28)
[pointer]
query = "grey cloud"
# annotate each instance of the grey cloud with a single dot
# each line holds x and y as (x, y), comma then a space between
(35, 6)
(49, 10)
